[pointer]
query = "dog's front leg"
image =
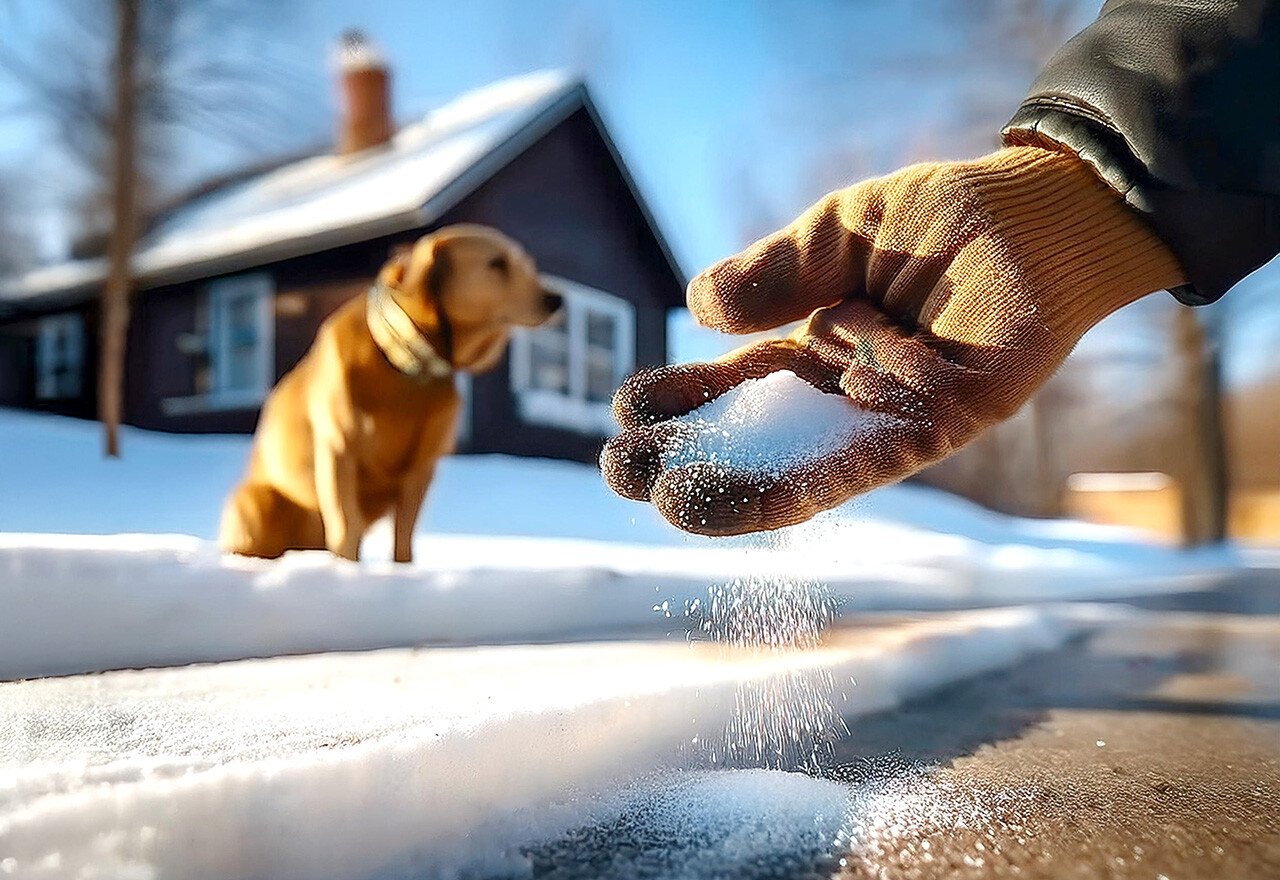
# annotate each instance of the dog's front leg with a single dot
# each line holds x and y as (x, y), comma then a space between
(408, 505)
(336, 494)
(436, 442)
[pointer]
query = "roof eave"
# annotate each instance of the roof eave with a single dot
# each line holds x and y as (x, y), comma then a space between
(650, 220)
(450, 195)
(574, 97)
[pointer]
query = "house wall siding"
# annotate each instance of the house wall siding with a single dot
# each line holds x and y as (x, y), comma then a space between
(159, 370)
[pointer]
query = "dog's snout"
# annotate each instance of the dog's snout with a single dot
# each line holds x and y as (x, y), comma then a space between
(552, 301)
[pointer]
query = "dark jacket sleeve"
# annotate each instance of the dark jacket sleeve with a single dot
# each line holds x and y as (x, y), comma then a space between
(1176, 103)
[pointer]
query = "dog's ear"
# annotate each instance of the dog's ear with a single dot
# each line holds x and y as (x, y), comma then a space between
(429, 261)
(397, 263)
(439, 268)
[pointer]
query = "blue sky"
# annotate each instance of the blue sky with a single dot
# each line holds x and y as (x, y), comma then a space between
(699, 95)
(732, 114)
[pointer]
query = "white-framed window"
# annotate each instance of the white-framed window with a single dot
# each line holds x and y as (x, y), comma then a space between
(564, 373)
(60, 357)
(234, 344)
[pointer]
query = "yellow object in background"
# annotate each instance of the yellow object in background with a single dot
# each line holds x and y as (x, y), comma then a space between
(1148, 501)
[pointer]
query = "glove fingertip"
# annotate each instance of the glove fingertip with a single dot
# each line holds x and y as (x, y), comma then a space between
(716, 300)
(668, 392)
(630, 401)
(706, 499)
(629, 464)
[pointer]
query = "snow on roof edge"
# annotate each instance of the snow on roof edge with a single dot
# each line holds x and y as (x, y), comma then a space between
(547, 96)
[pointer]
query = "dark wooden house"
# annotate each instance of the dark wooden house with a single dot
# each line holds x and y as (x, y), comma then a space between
(234, 280)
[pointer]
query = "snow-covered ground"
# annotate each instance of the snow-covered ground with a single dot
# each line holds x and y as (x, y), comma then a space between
(56, 480)
(425, 762)
(543, 552)
(109, 564)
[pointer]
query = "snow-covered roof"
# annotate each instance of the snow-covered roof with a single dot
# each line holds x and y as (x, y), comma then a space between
(326, 200)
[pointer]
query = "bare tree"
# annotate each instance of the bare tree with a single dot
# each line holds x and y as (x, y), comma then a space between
(1025, 32)
(124, 207)
(1243, 328)
(120, 84)
(202, 68)
(1198, 347)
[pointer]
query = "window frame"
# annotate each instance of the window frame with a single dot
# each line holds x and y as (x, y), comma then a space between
(218, 294)
(47, 328)
(572, 410)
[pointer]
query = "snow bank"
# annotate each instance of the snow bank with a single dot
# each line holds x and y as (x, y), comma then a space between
(563, 558)
(77, 603)
(407, 762)
(57, 481)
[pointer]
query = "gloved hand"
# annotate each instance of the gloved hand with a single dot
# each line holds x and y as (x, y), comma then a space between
(941, 296)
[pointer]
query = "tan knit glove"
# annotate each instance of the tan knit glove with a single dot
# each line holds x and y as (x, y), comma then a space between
(941, 297)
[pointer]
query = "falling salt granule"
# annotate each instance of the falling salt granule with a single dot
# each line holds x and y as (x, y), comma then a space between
(767, 426)
(788, 719)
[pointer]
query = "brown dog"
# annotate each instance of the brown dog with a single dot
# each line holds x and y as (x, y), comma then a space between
(354, 431)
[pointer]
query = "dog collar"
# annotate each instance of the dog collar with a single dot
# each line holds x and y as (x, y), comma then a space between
(400, 340)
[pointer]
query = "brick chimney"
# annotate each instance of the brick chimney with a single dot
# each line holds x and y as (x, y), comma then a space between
(365, 94)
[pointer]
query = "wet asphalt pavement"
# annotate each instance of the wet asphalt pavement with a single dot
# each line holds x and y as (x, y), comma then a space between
(1150, 750)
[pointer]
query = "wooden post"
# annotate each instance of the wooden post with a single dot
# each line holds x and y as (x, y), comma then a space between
(115, 296)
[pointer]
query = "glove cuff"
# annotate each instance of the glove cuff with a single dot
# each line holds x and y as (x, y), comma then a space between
(1071, 236)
